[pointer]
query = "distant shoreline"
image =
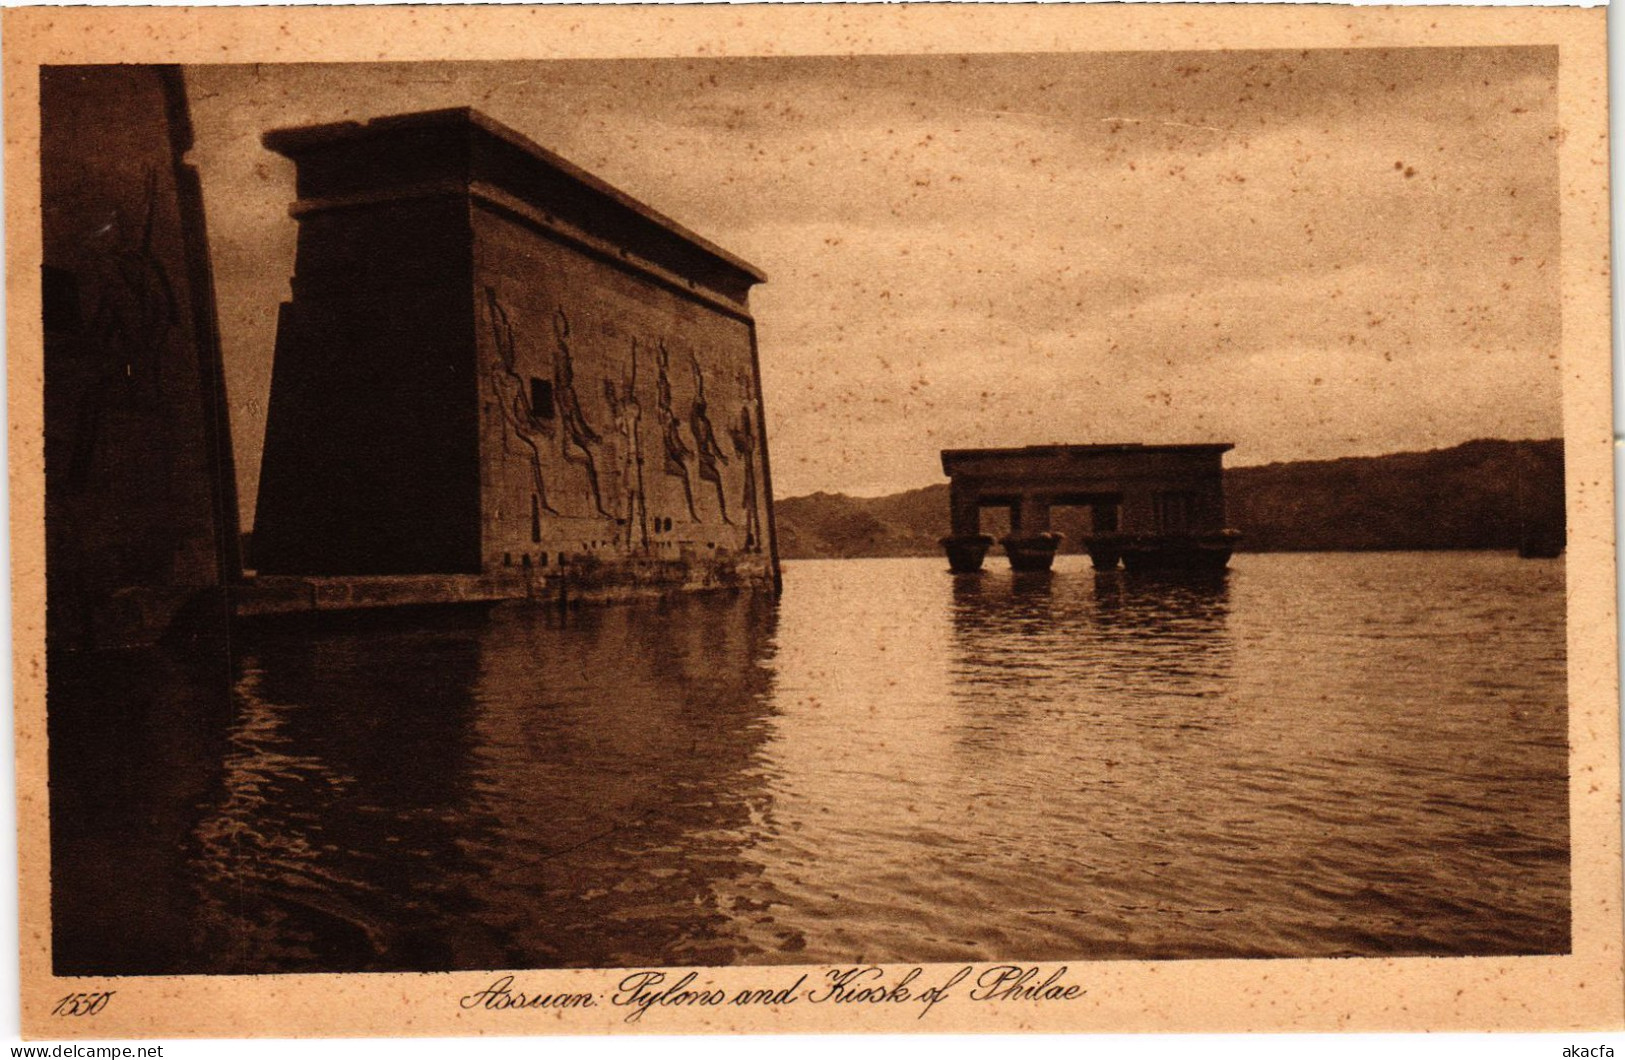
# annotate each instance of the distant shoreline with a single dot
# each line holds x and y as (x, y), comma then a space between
(1487, 495)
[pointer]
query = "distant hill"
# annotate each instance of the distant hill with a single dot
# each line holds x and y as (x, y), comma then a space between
(1482, 494)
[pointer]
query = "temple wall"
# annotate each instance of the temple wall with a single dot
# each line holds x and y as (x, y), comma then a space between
(370, 443)
(495, 365)
(141, 521)
(618, 417)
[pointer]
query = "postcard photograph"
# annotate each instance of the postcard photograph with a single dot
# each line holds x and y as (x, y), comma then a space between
(946, 521)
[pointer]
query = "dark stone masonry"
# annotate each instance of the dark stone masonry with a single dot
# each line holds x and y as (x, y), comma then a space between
(140, 495)
(499, 376)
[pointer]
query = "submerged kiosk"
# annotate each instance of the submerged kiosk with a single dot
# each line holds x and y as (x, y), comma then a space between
(1152, 507)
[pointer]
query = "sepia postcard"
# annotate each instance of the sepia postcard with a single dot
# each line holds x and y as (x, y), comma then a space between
(536, 520)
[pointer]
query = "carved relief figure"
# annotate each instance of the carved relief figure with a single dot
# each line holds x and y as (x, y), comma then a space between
(705, 437)
(628, 413)
(523, 425)
(579, 439)
(743, 433)
(671, 430)
(136, 309)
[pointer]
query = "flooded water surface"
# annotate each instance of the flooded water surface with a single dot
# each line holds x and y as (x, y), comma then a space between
(1318, 755)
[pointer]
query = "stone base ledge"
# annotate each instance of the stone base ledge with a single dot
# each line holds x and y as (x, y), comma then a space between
(285, 594)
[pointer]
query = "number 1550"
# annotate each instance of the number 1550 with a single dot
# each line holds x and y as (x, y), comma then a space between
(83, 1004)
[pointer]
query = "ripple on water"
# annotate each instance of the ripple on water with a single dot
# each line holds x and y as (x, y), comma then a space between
(1311, 757)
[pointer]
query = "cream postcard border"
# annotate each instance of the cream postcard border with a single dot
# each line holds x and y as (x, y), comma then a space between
(1582, 990)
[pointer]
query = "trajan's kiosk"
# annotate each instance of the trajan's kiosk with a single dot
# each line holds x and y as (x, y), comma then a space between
(500, 376)
(1151, 507)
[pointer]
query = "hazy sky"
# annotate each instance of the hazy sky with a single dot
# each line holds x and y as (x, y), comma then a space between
(1309, 254)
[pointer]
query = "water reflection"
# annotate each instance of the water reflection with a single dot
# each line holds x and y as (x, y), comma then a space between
(525, 791)
(333, 839)
(620, 763)
(1105, 631)
(136, 744)
(1313, 757)
(1089, 702)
